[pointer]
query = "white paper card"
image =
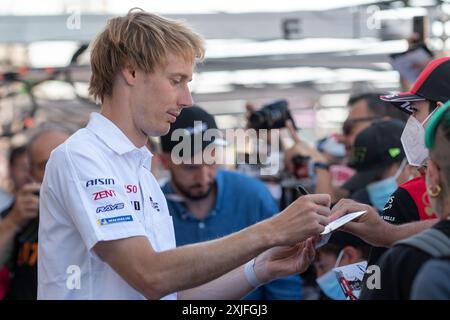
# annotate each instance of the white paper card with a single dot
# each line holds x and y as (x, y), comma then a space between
(323, 241)
(336, 224)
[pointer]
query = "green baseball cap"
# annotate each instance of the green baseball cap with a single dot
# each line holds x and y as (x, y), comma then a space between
(430, 131)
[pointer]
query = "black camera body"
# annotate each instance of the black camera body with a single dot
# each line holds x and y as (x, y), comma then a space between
(271, 116)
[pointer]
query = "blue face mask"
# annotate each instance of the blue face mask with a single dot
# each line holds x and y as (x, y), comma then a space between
(380, 191)
(329, 284)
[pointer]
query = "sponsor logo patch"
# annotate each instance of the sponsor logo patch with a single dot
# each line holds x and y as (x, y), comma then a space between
(104, 194)
(110, 207)
(112, 220)
(155, 205)
(131, 188)
(136, 205)
(99, 182)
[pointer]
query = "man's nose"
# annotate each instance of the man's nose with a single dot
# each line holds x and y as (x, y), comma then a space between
(185, 98)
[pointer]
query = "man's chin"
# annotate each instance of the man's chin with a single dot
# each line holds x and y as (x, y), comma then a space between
(196, 196)
(193, 193)
(158, 133)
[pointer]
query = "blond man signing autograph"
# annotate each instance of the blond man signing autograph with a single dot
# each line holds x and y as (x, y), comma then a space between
(105, 230)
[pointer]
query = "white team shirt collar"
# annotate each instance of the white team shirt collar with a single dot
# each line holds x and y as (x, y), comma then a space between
(114, 138)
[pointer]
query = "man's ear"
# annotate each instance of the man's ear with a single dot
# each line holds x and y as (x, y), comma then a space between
(433, 178)
(129, 74)
(351, 255)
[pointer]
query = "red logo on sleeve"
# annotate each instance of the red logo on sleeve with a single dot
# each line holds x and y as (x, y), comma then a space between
(104, 194)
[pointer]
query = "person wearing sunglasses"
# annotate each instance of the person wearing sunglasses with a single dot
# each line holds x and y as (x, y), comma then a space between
(364, 109)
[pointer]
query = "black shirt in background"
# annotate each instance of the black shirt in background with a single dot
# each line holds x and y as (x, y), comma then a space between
(361, 196)
(399, 267)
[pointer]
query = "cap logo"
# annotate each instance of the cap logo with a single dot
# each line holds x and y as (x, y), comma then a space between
(407, 107)
(394, 152)
(359, 154)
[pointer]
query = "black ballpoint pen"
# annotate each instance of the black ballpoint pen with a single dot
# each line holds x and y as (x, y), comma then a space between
(302, 190)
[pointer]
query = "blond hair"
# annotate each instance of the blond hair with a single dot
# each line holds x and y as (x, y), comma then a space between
(143, 40)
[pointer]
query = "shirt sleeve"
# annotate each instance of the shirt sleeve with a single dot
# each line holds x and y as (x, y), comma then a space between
(91, 194)
(267, 204)
(400, 208)
(361, 196)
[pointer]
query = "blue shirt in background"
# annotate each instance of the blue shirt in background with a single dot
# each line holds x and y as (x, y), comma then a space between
(241, 201)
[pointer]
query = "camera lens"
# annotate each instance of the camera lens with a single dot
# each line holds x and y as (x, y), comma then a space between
(270, 116)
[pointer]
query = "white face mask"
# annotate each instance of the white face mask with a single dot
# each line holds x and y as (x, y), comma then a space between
(413, 141)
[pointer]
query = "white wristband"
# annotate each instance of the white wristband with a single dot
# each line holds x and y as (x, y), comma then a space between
(250, 275)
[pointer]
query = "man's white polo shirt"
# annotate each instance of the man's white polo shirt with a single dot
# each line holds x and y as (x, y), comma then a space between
(97, 187)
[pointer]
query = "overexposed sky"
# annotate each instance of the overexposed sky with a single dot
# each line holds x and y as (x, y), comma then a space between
(45, 7)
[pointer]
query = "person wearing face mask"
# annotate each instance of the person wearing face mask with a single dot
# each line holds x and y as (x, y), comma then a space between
(433, 279)
(342, 249)
(400, 265)
(410, 202)
(363, 110)
(378, 158)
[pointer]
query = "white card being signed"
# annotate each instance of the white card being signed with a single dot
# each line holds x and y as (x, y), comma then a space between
(336, 224)
(323, 240)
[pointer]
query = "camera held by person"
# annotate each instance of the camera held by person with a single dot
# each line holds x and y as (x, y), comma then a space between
(271, 116)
